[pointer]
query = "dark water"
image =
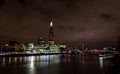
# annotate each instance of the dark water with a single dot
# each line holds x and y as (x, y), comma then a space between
(55, 64)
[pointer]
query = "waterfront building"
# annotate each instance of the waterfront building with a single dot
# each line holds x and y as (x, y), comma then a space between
(14, 46)
(50, 45)
(28, 46)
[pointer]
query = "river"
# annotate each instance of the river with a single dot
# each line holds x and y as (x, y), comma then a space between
(55, 64)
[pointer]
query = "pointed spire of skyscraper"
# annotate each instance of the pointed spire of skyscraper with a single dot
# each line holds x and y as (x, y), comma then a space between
(51, 24)
(51, 33)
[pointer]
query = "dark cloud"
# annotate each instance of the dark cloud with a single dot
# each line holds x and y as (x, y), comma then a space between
(24, 2)
(82, 29)
(69, 3)
(107, 16)
(1, 2)
(65, 28)
(70, 27)
(48, 13)
(27, 3)
(118, 30)
(75, 20)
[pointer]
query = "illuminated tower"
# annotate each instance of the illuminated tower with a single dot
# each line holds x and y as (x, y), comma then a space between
(51, 33)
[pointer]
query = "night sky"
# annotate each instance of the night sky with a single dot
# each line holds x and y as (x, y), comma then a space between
(75, 21)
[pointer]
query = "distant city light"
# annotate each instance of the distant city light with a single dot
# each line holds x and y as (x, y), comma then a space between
(6, 44)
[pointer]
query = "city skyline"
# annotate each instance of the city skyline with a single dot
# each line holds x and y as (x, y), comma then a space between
(75, 21)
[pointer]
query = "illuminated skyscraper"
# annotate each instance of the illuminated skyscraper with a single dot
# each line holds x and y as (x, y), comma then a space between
(51, 43)
(51, 33)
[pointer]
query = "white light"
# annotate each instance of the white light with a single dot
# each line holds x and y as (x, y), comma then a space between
(101, 62)
(6, 44)
(51, 24)
(32, 62)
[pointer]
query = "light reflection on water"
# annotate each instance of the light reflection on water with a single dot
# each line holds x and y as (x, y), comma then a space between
(43, 60)
(101, 62)
(54, 64)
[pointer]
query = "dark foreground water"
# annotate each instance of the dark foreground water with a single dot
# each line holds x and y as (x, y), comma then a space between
(56, 64)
